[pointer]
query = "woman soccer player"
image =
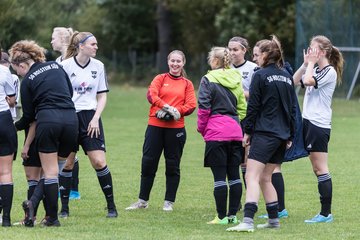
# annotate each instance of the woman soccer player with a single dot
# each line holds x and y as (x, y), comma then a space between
(89, 83)
(222, 105)
(320, 82)
(45, 95)
(8, 143)
(60, 40)
(172, 97)
(269, 129)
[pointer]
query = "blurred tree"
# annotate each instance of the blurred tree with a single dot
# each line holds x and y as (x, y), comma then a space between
(164, 32)
(257, 20)
(138, 29)
(129, 24)
(193, 23)
(14, 22)
(26, 19)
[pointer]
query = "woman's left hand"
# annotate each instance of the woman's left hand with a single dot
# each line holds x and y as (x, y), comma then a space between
(93, 128)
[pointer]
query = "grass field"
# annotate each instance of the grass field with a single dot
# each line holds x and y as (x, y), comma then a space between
(125, 120)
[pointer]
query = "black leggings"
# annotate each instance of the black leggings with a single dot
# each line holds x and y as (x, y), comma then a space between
(157, 140)
(221, 189)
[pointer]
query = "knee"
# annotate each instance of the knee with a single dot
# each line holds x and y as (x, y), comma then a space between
(250, 178)
(172, 170)
(148, 170)
(316, 171)
(148, 166)
(98, 163)
(32, 176)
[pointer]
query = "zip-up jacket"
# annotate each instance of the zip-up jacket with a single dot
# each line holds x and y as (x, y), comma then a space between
(272, 104)
(222, 105)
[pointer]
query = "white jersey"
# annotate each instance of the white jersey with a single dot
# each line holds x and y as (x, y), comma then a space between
(59, 59)
(317, 99)
(6, 87)
(16, 83)
(246, 70)
(86, 81)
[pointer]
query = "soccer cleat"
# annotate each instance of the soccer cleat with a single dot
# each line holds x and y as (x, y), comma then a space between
(168, 206)
(138, 205)
(320, 219)
(74, 195)
(233, 219)
(283, 214)
(268, 225)
(112, 213)
(28, 207)
(217, 220)
(47, 222)
(22, 222)
(242, 227)
(63, 214)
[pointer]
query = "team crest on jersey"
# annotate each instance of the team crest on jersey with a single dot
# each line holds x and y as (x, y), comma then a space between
(93, 74)
(245, 74)
(83, 88)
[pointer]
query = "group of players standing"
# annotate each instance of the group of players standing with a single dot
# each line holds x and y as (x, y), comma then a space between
(247, 113)
(62, 106)
(240, 104)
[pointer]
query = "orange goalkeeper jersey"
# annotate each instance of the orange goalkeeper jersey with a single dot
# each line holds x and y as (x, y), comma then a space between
(177, 92)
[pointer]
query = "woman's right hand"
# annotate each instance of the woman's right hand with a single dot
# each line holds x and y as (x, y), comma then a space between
(246, 140)
(24, 152)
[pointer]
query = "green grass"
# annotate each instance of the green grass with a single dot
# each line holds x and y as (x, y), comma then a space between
(125, 120)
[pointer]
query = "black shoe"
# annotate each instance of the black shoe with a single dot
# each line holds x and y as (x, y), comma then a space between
(112, 213)
(47, 222)
(29, 213)
(63, 214)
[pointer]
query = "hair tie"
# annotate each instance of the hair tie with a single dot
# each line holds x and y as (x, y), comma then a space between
(86, 38)
(241, 45)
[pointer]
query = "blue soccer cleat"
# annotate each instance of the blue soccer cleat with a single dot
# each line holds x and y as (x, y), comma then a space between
(74, 195)
(320, 219)
(283, 214)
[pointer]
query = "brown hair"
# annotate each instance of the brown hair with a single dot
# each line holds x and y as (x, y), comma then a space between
(333, 54)
(183, 72)
(242, 41)
(76, 39)
(222, 54)
(273, 50)
(24, 50)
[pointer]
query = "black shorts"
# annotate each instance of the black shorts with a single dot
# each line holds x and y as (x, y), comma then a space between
(316, 138)
(8, 136)
(34, 159)
(267, 149)
(56, 131)
(218, 153)
(87, 143)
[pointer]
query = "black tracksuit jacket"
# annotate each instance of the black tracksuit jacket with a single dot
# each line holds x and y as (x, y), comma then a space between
(271, 108)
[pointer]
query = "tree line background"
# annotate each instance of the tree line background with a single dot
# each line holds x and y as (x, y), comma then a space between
(135, 36)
